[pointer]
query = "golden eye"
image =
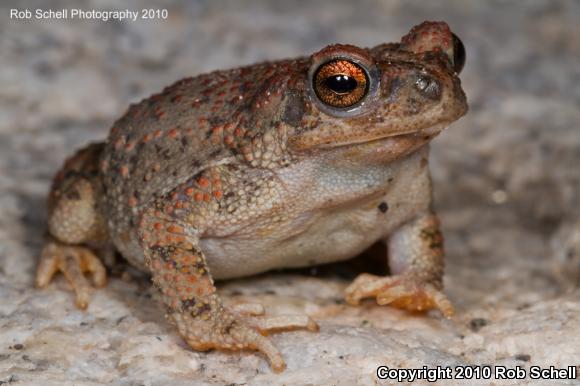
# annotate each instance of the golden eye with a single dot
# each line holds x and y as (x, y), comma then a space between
(340, 83)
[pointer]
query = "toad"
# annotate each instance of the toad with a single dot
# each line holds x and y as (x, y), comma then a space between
(280, 164)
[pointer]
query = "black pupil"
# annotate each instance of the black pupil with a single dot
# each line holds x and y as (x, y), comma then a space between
(341, 84)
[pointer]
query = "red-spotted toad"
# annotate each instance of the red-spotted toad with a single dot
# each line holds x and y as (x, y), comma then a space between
(279, 164)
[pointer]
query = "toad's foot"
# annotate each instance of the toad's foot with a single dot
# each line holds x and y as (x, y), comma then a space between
(404, 291)
(72, 261)
(221, 329)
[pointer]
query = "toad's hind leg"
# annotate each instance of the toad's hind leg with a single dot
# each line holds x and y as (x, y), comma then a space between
(74, 222)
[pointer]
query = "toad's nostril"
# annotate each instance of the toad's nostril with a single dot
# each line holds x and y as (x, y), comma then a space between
(428, 86)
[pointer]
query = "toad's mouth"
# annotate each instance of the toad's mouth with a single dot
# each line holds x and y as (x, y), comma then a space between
(420, 135)
(384, 149)
(345, 139)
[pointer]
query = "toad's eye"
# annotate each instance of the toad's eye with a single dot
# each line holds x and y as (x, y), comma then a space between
(340, 83)
(458, 54)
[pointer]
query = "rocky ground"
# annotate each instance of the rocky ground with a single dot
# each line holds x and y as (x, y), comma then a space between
(506, 177)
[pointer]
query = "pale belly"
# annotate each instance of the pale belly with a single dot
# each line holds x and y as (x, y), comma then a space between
(318, 238)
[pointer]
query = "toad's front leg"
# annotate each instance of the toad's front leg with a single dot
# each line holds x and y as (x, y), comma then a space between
(180, 272)
(416, 261)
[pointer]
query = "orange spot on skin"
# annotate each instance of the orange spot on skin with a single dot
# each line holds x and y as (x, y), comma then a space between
(158, 226)
(130, 146)
(172, 133)
(238, 132)
(228, 140)
(198, 196)
(192, 279)
(178, 205)
(124, 170)
(133, 201)
(218, 194)
(203, 182)
(174, 229)
(158, 133)
(189, 191)
(147, 138)
(206, 197)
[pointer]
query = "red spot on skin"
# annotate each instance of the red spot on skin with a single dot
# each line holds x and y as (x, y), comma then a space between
(217, 130)
(189, 191)
(174, 196)
(124, 170)
(203, 182)
(133, 201)
(176, 98)
(160, 114)
(147, 138)
(172, 133)
(228, 140)
(238, 132)
(130, 146)
(178, 205)
(198, 196)
(158, 133)
(206, 197)
(218, 194)
(158, 226)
